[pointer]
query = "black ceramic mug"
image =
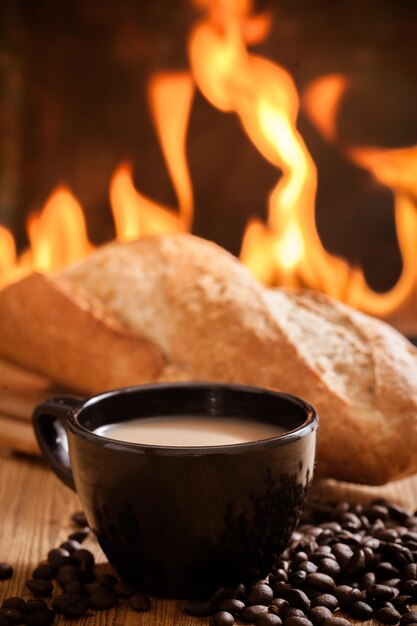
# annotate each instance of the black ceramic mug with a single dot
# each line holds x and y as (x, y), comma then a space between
(181, 521)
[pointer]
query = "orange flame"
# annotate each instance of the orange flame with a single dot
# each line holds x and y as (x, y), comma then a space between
(287, 249)
(397, 169)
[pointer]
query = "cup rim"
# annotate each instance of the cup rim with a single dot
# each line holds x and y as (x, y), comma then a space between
(309, 425)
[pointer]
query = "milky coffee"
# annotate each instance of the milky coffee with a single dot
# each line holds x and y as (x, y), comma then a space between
(190, 431)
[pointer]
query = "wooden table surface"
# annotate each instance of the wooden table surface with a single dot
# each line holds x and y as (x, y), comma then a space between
(35, 517)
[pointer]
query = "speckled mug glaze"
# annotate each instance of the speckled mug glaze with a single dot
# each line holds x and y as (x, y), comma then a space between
(177, 521)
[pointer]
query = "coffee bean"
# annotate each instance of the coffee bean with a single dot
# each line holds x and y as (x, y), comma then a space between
(79, 519)
(281, 590)
(251, 613)
(268, 619)
(368, 579)
(239, 592)
(80, 535)
(44, 571)
(39, 588)
(356, 564)
(70, 605)
(299, 600)
(385, 569)
(322, 582)
(277, 605)
(337, 621)
(308, 567)
(231, 605)
(6, 571)
(299, 558)
(140, 602)
(346, 595)
(222, 618)
(58, 554)
(84, 558)
(198, 608)
(260, 593)
(74, 588)
(298, 621)
(410, 588)
(387, 615)
(95, 588)
(35, 604)
(330, 567)
(297, 579)
(15, 603)
(408, 618)
(361, 611)
(124, 589)
(41, 617)
(290, 611)
(13, 616)
(221, 593)
(403, 603)
(319, 614)
(103, 601)
(380, 592)
(278, 575)
(410, 572)
(327, 600)
(343, 553)
(70, 545)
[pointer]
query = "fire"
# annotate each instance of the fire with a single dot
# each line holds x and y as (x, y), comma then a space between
(286, 250)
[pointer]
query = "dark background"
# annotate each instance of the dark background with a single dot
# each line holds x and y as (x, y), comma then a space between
(73, 106)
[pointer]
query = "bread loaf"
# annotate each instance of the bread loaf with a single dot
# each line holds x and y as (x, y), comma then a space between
(176, 307)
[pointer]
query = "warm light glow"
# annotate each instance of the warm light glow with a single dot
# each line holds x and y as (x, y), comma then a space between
(286, 250)
(395, 168)
(8, 258)
(171, 96)
(134, 214)
(58, 235)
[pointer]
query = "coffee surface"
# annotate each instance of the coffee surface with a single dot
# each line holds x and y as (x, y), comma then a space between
(190, 431)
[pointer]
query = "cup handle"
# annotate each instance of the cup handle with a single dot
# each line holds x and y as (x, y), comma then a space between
(49, 422)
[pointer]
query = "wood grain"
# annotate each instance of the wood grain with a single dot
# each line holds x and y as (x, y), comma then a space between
(35, 517)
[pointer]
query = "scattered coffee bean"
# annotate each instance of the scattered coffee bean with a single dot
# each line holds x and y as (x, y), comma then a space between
(337, 621)
(84, 558)
(74, 588)
(108, 580)
(80, 535)
(6, 571)
(299, 600)
(322, 582)
(39, 588)
(327, 600)
(15, 603)
(330, 567)
(79, 519)
(35, 604)
(71, 545)
(361, 611)
(387, 615)
(298, 621)
(41, 617)
(231, 605)
(408, 618)
(251, 613)
(140, 602)
(346, 595)
(268, 619)
(380, 592)
(70, 605)
(222, 618)
(13, 616)
(260, 593)
(319, 614)
(45, 571)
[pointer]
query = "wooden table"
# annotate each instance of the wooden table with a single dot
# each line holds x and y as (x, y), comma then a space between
(35, 508)
(35, 517)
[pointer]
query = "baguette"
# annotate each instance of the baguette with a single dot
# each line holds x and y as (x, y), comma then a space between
(176, 307)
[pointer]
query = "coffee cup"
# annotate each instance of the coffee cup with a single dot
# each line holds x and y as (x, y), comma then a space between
(180, 520)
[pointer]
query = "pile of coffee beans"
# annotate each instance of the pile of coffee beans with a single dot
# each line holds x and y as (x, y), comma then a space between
(345, 560)
(67, 583)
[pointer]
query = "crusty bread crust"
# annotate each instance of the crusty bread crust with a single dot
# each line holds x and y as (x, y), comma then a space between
(52, 328)
(176, 307)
